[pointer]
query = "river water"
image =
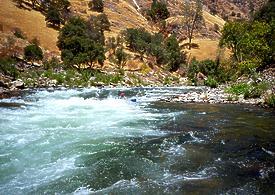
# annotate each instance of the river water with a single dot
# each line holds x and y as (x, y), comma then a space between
(88, 141)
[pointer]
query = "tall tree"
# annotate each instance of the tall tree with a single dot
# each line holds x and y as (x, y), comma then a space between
(192, 17)
(78, 44)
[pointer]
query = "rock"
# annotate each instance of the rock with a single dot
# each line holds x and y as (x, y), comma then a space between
(52, 83)
(18, 84)
(5, 81)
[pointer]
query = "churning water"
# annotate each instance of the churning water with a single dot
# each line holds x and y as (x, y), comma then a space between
(89, 141)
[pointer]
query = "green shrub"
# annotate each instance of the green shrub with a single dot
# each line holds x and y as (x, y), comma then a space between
(158, 11)
(96, 5)
(33, 52)
(247, 67)
(238, 89)
(211, 82)
(7, 66)
(19, 34)
(254, 90)
(51, 64)
(270, 100)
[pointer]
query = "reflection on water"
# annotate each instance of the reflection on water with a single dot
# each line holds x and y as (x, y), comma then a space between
(90, 141)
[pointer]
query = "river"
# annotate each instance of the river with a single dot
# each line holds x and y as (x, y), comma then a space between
(89, 141)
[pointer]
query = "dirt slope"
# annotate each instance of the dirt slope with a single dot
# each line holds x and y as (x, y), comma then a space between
(32, 23)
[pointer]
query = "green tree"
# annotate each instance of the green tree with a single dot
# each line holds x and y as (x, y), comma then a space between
(121, 56)
(266, 13)
(248, 41)
(176, 58)
(77, 44)
(192, 17)
(232, 38)
(33, 52)
(53, 17)
(157, 49)
(96, 5)
(158, 11)
(101, 22)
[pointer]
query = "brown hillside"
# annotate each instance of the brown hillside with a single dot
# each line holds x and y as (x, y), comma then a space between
(31, 22)
(122, 15)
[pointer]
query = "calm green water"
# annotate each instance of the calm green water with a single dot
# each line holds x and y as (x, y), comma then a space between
(90, 142)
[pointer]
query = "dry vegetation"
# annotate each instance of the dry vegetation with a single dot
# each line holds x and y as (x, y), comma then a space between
(122, 15)
(31, 22)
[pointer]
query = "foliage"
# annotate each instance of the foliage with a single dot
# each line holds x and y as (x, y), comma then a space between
(266, 13)
(252, 41)
(53, 17)
(192, 13)
(7, 67)
(56, 11)
(19, 34)
(247, 67)
(254, 90)
(121, 57)
(270, 100)
(113, 43)
(52, 64)
(165, 51)
(96, 5)
(176, 58)
(211, 82)
(232, 35)
(137, 39)
(79, 43)
(158, 11)
(33, 52)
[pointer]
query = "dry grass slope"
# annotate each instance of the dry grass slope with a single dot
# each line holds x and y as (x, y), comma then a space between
(32, 23)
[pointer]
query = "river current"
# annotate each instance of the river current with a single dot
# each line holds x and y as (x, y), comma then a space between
(90, 141)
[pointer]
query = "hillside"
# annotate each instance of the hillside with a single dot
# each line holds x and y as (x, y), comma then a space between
(122, 15)
(31, 22)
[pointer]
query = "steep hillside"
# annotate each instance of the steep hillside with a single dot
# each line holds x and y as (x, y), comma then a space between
(31, 22)
(122, 15)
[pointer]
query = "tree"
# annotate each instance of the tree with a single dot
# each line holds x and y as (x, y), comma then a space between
(101, 22)
(33, 52)
(249, 41)
(176, 58)
(232, 37)
(53, 17)
(121, 57)
(158, 11)
(266, 13)
(78, 44)
(96, 5)
(192, 13)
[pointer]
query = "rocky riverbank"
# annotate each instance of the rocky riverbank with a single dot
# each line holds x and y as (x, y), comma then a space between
(220, 95)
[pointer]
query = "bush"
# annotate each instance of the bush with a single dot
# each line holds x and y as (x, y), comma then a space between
(238, 89)
(51, 64)
(7, 66)
(158, 11)
(254, 90)
(96, 5)
(121, 57)
(211, 82)
(248, 67)
(270, 100)
(19, 34)
(33, 52)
